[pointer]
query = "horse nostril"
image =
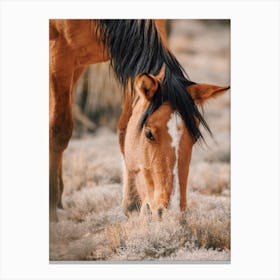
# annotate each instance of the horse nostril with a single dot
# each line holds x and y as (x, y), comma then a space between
(160, 211)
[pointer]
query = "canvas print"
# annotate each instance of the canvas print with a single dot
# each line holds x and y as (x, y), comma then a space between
(139, 135)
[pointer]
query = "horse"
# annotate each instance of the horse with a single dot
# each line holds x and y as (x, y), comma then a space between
(160, 119)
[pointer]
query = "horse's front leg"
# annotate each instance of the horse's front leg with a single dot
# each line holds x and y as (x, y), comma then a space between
(131, 200)
(61, 185)
(55, 165)
(61, 126)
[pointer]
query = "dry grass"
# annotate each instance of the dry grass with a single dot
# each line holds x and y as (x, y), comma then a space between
(93, 226)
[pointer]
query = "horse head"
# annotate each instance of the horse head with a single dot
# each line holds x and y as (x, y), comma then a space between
(157, 155)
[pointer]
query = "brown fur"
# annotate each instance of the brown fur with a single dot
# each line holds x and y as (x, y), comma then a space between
(149, 164)
(73, 46)
(201, 92)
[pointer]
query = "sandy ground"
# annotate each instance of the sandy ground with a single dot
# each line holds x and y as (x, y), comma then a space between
(93, 227)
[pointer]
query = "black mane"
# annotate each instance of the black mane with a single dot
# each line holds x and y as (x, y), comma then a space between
(135, 47)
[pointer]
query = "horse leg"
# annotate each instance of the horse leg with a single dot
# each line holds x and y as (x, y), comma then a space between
(61, 186)
(131, 200)
(54, 192)
(76, 76)
(61, 126)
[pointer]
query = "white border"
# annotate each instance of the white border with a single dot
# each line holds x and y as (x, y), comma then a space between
(255, 138)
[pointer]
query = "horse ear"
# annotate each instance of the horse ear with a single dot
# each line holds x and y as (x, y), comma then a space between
(201, 92)
(146, 85)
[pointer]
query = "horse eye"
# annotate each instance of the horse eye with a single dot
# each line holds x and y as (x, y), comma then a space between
(149, 135)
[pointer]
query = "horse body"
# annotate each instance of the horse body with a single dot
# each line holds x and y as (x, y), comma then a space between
(156, 147)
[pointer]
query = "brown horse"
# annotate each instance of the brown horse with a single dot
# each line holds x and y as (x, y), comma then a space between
(160, 119)
(157, 158)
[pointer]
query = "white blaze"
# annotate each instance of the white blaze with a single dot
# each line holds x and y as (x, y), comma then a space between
(175, 133)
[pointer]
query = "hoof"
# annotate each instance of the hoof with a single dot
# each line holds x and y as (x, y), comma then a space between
(60, 206)
(53, 216)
